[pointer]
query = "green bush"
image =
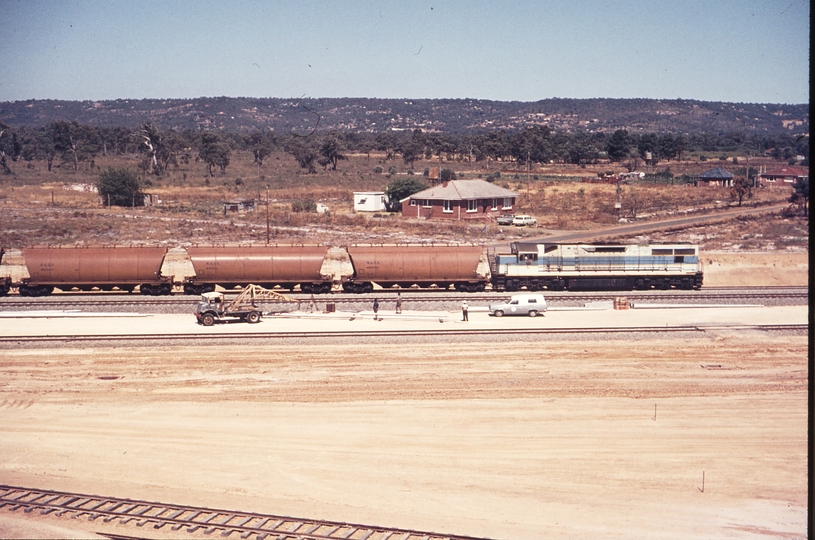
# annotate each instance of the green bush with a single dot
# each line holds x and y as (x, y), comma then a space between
(304, 205)
(120, 187)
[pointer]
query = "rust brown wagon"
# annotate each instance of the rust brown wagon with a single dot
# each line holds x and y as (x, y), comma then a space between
(424, 266)
(87, 268)
(267, 266)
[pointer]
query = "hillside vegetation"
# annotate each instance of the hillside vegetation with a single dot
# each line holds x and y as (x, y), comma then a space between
(225, 114)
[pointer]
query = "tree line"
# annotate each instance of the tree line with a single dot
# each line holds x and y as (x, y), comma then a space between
(69, 143)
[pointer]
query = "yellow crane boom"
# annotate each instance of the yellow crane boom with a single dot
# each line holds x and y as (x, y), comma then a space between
(252, 293)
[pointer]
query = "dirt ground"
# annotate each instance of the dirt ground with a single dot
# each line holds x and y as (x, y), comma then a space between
(728, 269)
(559, 439)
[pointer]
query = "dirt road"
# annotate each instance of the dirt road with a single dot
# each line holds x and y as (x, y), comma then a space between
(557, 439)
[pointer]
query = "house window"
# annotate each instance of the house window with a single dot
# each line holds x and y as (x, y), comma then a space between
(508, 202)
(412, 202)
(495, 204)
(472, 205)
(448, 206)
(426, 203)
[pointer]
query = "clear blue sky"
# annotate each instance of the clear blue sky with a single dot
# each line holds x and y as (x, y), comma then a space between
(718, 50)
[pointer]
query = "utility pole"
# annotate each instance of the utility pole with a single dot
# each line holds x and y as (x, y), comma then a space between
(527, 172)
(267, 214)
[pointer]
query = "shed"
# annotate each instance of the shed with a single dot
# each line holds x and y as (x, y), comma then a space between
(369, 201)
(239, 205)
(714, 177)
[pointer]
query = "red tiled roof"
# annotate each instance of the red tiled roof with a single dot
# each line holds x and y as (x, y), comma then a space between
(784, 171)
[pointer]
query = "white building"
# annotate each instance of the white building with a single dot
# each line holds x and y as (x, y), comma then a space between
(369, 201)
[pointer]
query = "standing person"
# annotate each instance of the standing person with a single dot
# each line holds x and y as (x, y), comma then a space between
(398, 303)
(376, 309)
(464, 308)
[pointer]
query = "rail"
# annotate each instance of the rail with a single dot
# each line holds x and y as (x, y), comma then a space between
(195, 518)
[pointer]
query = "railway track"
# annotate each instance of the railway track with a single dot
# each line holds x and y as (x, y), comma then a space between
(183, 304)
(192, 519)
(265, 337)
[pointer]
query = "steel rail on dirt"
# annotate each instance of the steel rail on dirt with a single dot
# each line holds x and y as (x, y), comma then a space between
(222, 336)
(186, 302)
(195, 518)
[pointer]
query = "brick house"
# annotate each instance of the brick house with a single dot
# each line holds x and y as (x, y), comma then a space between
(785, 176)
(714, 177)
(460, 200)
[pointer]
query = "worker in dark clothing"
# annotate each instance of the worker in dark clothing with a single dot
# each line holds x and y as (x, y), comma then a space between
(398, 303)
(376, 309)
(464, 308)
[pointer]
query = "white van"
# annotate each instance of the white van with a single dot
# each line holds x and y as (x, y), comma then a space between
(520, 304)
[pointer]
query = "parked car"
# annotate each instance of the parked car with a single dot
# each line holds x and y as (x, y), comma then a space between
(524, 220)
(520, 304)
(505, 219)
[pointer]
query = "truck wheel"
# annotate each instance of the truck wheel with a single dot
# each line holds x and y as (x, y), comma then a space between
(208, 319)
(498, 313)
(533, 313)
(253, 317)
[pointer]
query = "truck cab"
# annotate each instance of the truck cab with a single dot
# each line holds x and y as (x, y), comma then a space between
(212, 309)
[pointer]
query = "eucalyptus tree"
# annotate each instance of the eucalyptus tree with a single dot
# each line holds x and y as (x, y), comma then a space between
(331, 151)
(214, 152)
(72, 141)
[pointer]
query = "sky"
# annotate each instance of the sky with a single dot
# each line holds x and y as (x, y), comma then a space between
(751, 51)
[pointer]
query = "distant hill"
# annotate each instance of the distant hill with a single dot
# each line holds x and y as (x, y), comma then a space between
(442, 115)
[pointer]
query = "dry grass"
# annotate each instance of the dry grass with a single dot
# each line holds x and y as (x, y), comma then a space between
(36, 207)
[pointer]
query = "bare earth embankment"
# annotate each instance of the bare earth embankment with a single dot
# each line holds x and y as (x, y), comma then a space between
(557, 439)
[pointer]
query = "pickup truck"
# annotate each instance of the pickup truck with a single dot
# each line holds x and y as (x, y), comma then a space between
(505, 219)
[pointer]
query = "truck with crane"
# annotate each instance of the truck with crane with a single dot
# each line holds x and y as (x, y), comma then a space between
(213, 307)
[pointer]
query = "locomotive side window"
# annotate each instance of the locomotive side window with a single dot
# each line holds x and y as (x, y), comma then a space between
(685, 251)
(607, 249)
(662, 251)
